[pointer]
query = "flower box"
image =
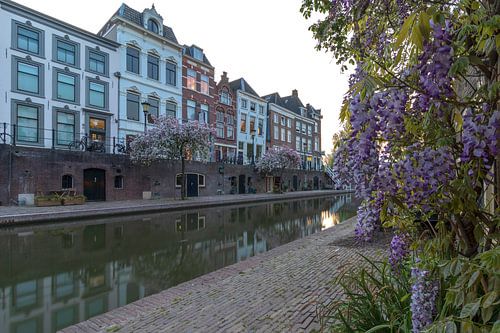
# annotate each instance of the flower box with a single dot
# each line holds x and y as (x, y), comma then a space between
(73, 200)
(47, 201)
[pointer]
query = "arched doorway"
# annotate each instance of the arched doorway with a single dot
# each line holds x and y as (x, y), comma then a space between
(94, 184)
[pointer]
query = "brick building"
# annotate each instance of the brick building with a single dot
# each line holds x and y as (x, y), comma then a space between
(198, 86)
(225, 121)
(293, 125)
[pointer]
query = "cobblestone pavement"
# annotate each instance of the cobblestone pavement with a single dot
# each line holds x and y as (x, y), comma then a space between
(14, 215)
(279, 291)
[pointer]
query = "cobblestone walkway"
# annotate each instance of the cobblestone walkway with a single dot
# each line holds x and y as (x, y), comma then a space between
(279, 291)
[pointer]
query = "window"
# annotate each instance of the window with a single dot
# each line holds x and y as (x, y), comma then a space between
(276, 132)
(197, 53)
(289, 136)
(153, 67)
(261, 109)
(153, 26)
(191, 79)
(171, 109)
(225, 98)
(154, 109)
(316, 144)
(252, 106)
(65, 87)
(283, 121)
(66, 51)
(240, 145)
(203, 117)
(230, 119)
(97, 62)
(252, 124)
(243, 123)
(65, 128)
(97, 129)
(204, 84)
(67, 181)
(178, 180)
(220, 130)
(303, 128)
(201, 180)
(289, 122)
(258, 154)
(118, 182)
(309, 145)
(27, 38)
(260, 130)
(25, 294)
(275, 118)
(133, 60)
(171, 73)
(28, 123)
(219, 116)
(191, 110)
(243, 103)
(28, 78)
(230, 132)
(309, 130)
(283, 136)
(298, 147)
(97, 94)
(132, 106)
(297, 126)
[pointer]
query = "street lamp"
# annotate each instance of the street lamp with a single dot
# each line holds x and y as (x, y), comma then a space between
(145, 109)
(252, 132)
(304, 150)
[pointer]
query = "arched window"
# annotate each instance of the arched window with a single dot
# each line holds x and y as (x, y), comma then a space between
(118, 182)
(67, 182)
(153, 26)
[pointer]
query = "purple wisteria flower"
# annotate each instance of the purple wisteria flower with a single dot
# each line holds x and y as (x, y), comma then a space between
(424, 292)
(399, 250)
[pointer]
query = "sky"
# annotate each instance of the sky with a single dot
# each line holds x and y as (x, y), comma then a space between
(265, 41)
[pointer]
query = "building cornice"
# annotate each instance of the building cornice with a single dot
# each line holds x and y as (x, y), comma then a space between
(52, 22)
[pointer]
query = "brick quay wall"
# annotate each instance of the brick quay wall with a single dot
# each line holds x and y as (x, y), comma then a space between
(26, 170)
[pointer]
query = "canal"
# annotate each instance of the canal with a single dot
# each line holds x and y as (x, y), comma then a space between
(56, 275)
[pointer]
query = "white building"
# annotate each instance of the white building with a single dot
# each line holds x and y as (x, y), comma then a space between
(58, 81)
(151, 68)
(251, 122)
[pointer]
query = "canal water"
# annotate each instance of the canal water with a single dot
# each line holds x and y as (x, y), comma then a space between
(54, 276)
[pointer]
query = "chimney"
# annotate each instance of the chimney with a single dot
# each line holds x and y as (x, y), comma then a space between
(295, 93)
(223, 77)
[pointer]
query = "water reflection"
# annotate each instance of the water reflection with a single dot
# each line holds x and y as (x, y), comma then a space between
(59, 275)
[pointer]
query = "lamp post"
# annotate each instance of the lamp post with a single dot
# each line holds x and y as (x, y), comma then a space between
(145, 109)
(304, 145)
(252, 132)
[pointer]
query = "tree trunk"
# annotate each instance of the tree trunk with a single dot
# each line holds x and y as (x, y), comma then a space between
(183, 177)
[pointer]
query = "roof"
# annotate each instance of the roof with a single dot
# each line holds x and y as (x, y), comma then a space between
(55, 23)
(188, 50)
(292, 103)
(242, 84)
(136, 17)
(273, 98)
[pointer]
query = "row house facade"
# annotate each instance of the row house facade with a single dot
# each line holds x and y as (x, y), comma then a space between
(150, 60)
(251, 122)
(198, 85)
(58, 81)
(225, 144)
(293, 125)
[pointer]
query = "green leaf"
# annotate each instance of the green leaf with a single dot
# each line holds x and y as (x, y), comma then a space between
(378, 328)
(489, 299)
(450, 327)
(405, 29)
(466, 327)
(473, 278)
(486, 314)
(469, 310)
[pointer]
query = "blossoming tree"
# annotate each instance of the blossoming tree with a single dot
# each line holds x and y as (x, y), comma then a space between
(275, 161)
(171, 139)
(423, 123)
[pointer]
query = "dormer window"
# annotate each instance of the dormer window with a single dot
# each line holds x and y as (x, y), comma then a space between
(153, 26)
(197, 53)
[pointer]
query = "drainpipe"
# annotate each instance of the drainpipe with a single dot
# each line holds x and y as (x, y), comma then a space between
(118, 75)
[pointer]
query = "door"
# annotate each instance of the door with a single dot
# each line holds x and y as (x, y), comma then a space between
(294, 183)
(316, 183)
(192, 185)
(241, 184)
(94, 184)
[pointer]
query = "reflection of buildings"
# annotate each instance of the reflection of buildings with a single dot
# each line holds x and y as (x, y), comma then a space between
(64, 274)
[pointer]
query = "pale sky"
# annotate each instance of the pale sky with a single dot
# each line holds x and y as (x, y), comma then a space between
(264, 41)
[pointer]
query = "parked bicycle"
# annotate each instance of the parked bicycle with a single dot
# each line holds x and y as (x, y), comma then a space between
(84, 145)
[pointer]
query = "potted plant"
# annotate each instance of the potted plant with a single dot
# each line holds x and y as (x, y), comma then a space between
(74, 200)
(47, 200)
